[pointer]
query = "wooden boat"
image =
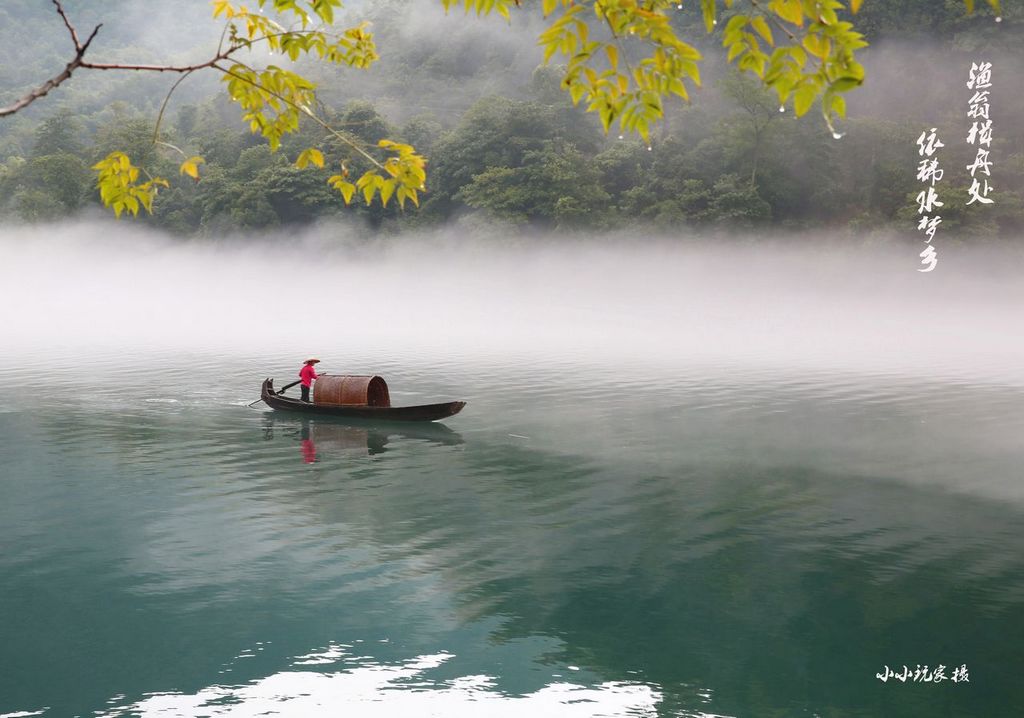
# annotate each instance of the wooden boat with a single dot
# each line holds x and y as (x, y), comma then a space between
(357, 398)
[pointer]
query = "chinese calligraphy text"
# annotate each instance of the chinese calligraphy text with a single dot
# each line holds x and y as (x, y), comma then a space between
(922, 674)
(928, 172)
(980, 134)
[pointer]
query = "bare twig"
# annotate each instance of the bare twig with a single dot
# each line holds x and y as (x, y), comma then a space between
(184, 70)
(163, 107)
(76, 62)
(170, 146)
(80, 61)
(67, 24)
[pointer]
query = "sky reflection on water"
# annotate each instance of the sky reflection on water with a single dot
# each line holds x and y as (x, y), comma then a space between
(369, 690)
(695, 547)
(714, 507)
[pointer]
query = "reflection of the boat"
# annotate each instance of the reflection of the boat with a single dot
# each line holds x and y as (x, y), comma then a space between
(352, 436)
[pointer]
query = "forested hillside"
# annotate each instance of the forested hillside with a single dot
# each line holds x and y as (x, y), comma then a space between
(504, 143)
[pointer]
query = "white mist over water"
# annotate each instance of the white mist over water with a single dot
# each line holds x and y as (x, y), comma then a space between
(72, 291)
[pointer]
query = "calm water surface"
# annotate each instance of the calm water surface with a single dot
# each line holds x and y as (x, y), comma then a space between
(578, 542)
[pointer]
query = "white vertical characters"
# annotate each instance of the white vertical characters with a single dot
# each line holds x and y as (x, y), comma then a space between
(929, 172)
(980, 134)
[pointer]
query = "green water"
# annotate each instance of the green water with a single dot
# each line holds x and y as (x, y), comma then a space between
(588, 543)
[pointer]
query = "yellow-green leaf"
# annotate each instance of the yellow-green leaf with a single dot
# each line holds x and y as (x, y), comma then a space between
(759, 24)
(789, 10)
(707, 8)
(190, 167)
(310, 156)
(613, 55)
(803, 98)
(223, 7)
(817, 45)
(346, 188)
(844, 84)
(838, 105)
(387, 188)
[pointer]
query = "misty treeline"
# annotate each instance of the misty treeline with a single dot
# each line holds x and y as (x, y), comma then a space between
(503, 142)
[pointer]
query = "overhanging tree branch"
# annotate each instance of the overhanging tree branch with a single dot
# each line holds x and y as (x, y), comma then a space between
(80, 61)
(76, 62)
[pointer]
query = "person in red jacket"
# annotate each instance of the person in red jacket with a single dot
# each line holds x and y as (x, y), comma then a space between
(308, 375)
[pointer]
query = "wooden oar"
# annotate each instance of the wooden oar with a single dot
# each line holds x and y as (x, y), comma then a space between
(282, 391)
(289, 386)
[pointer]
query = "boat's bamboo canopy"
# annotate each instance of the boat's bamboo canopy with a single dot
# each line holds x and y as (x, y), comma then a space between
(351, 391)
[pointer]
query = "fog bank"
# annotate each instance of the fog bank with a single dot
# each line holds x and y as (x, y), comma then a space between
(81, 289)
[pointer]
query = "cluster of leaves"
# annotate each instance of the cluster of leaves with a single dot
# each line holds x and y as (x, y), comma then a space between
(817, 59)
(274, 100)
(818, 62)
(619, 91)
(406, 175)
(120, 189)
(288, 96)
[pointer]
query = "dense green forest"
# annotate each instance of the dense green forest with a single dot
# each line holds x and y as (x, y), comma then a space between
(504, 144)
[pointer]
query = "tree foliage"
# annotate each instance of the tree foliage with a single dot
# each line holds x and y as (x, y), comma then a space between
(620, 59)
(814, 58)
(536, 162)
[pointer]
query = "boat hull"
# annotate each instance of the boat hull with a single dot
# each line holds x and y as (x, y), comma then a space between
(424, 412)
